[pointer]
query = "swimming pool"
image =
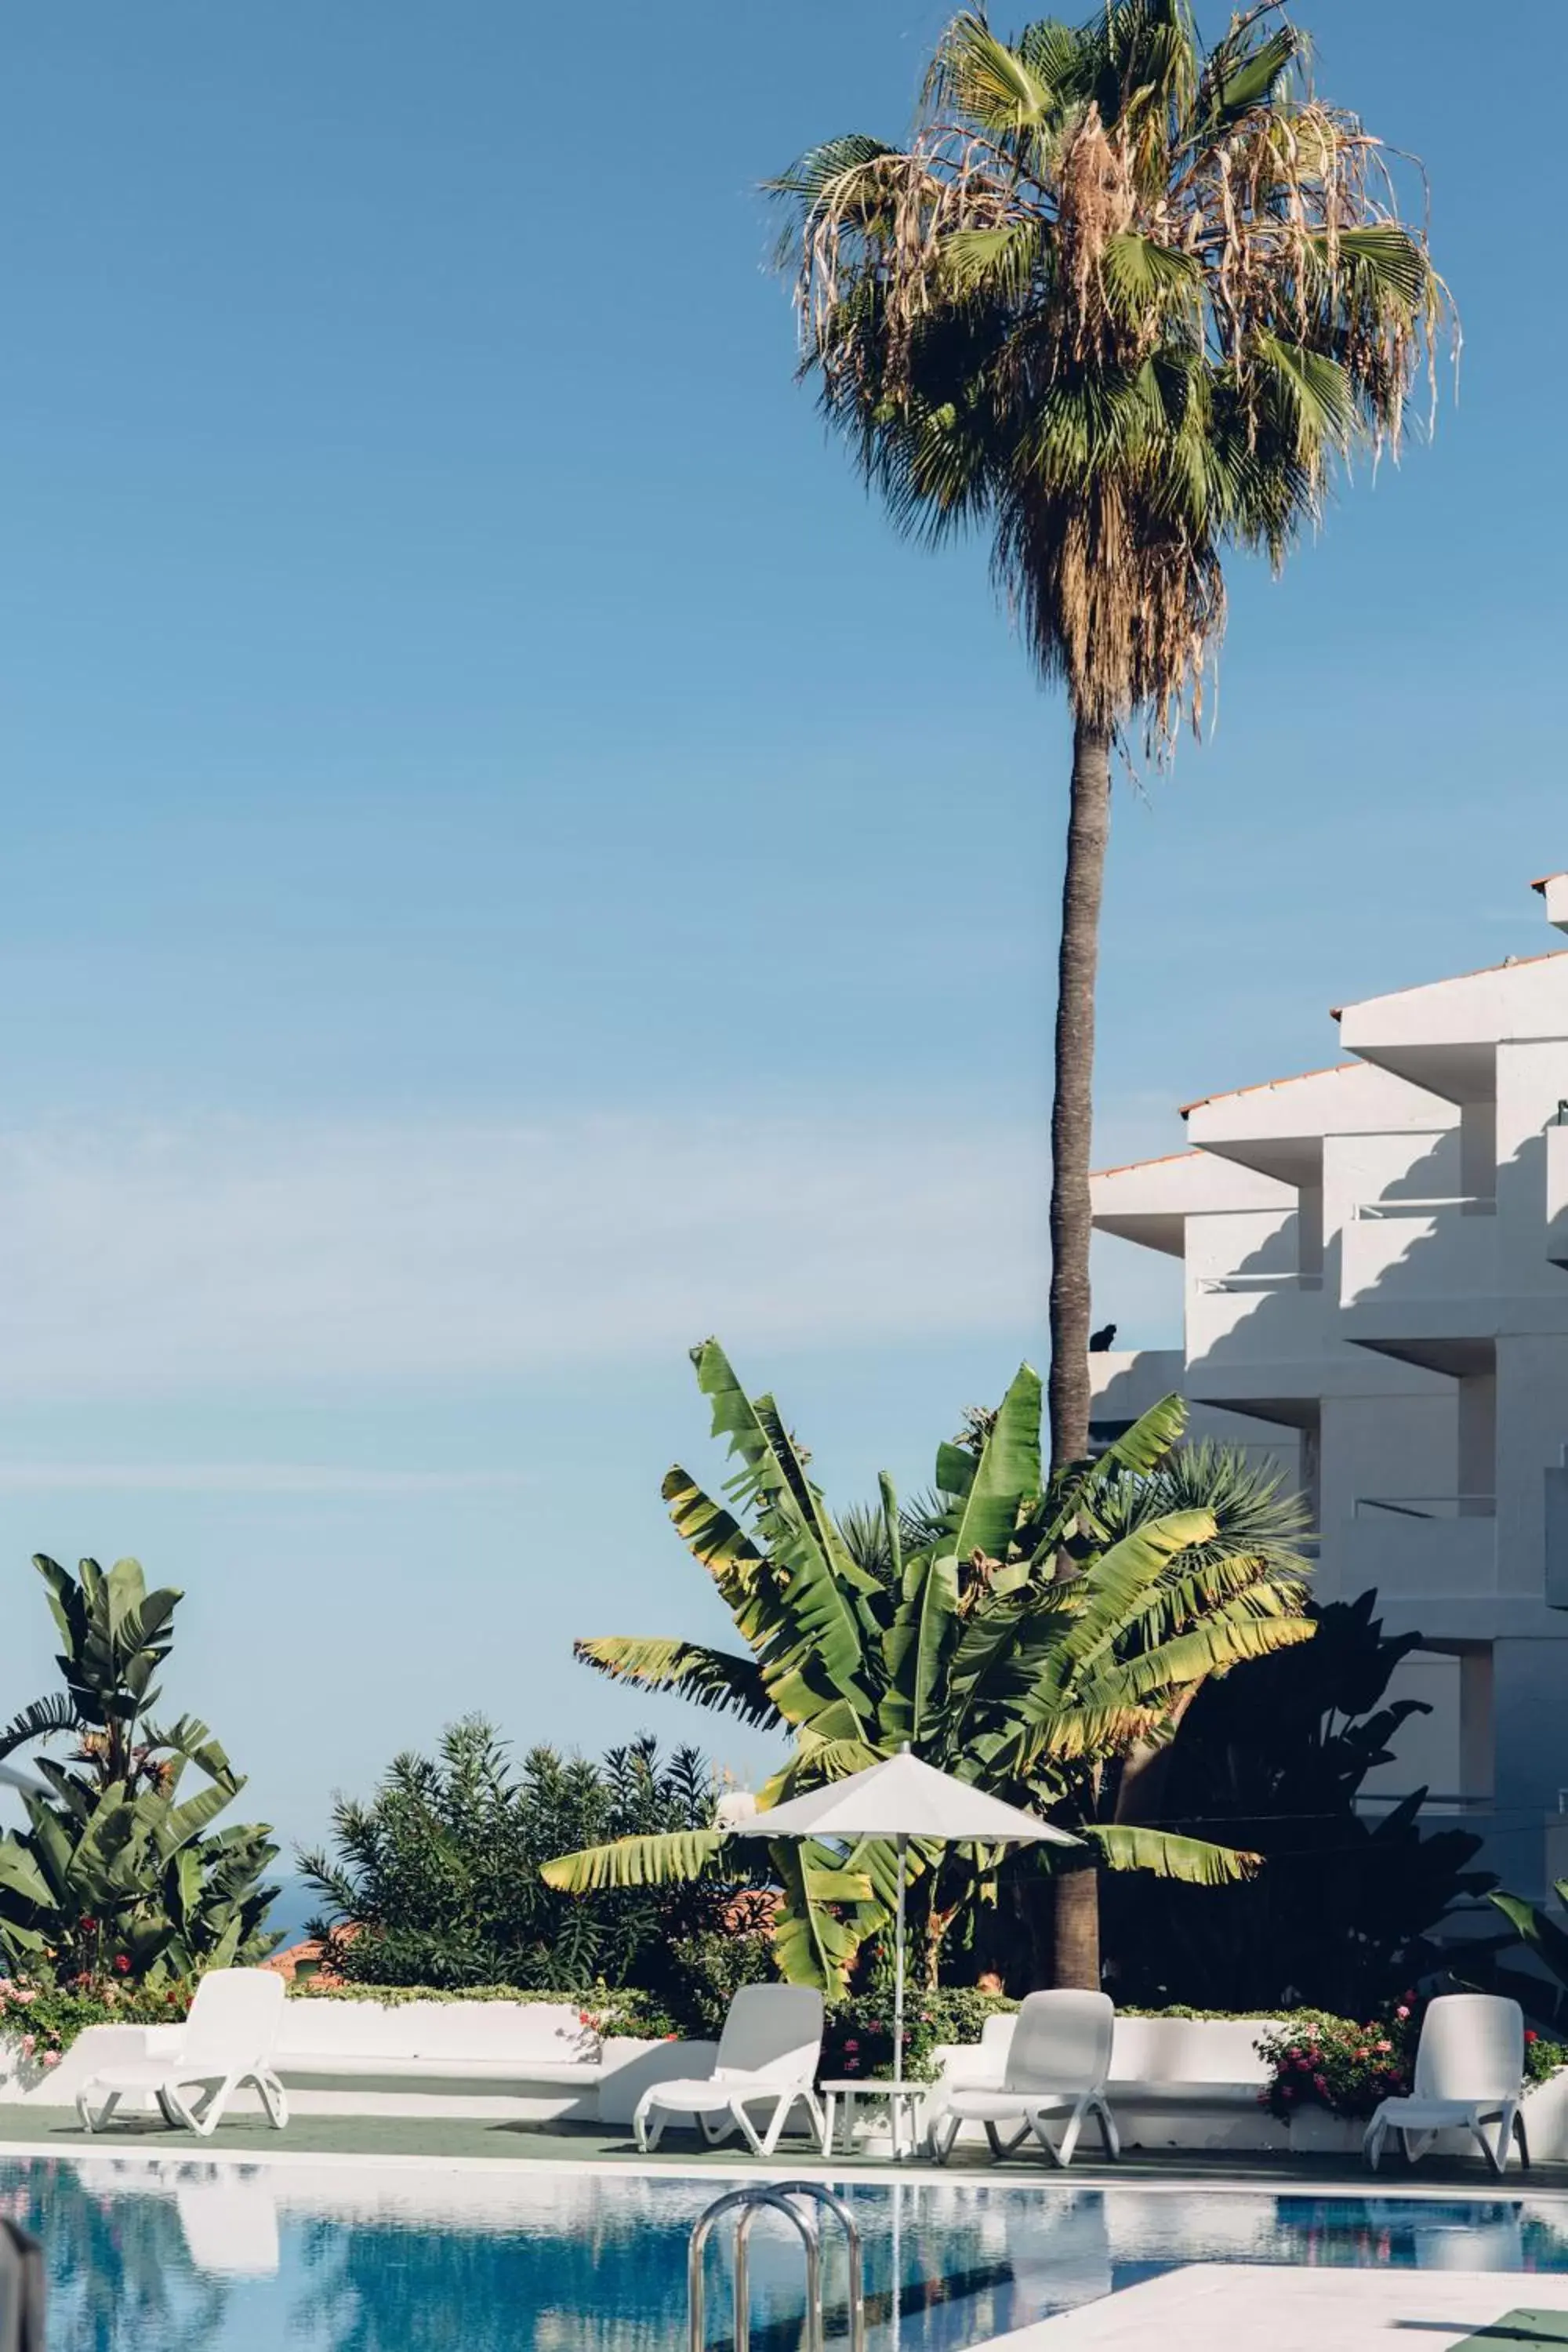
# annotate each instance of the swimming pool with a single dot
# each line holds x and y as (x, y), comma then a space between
(197, 2257)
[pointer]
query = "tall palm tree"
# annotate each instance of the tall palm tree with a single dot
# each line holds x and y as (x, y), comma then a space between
(1125, 306)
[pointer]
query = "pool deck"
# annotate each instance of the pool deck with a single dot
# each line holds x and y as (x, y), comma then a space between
(506, 2143)
(1312, 2311)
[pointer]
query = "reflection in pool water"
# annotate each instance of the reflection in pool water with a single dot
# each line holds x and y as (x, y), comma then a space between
(334, 2258)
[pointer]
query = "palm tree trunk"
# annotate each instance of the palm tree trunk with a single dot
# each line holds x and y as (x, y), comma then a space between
(1076, 1918)
(1072, 1107)
(1076, 1939)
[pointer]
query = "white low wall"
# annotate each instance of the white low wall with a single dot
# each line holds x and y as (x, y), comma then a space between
(1176, 2083)
(522, 2061)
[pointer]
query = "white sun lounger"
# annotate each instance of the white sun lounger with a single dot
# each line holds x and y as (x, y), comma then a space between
(1058, 2062)
(1469, 2073)
(228, 2039)
(767, 2057)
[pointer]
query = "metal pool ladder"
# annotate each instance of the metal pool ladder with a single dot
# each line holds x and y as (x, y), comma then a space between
(775, 2195)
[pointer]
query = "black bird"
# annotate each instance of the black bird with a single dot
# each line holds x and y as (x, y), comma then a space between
(1101, 1343)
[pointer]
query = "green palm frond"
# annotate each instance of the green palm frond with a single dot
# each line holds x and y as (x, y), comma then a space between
(714, 1678)
(1221, 1641)
(46, 1718)
(658, 1861)
(1192, 1861)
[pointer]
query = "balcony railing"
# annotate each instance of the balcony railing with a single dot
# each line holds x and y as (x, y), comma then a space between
(1243, 1286)
(1468, 1204)
(1427, 1506)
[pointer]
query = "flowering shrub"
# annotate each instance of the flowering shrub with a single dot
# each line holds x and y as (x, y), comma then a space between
(1350, 2069)
(859, 2036)
(1337, 2063)
(41, 2022)
(1543, 2059)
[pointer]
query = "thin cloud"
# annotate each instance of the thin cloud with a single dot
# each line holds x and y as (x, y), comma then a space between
(232, 1255)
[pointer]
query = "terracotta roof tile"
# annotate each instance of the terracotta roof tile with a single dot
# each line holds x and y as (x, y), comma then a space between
(1161, 1160)
(1267, 1085)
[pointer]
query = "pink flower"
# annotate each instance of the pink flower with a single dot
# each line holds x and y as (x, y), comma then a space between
(1363, 2054)
(51, 2057)
(1401, 2013)
(1320, 2083)
(1382, 2047)
(121, 1965)
(29, 2043)
(852, 2045)
(1293, 2055)
(1287, 2090)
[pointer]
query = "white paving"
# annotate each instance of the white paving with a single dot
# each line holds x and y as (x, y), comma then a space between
(1258, 2309)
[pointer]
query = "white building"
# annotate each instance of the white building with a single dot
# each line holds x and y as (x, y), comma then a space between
(1377, 1289)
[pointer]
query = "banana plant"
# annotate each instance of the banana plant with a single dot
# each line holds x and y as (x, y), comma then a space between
(116, 1868)
(999, 1628)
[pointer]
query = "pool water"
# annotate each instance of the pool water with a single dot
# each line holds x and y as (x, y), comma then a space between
(196, 2257)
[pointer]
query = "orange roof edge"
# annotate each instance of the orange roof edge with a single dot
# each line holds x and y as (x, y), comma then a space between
(1452, 979)
(1161, 1160)
(1266, 1085)
(1549, 878)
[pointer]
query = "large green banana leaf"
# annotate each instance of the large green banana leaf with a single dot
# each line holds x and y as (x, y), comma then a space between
(714, 1678)
(1194, 1861)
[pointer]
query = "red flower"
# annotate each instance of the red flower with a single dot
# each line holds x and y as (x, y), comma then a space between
(122, 1966)
(88, 1927)
(1531, 2037)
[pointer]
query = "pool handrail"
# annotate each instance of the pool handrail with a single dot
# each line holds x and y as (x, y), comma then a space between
(747, 2203)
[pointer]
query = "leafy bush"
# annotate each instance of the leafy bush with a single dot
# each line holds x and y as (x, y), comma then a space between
(1272, 1758)
(708, 1970)
(607, 2008)
(436, 1880)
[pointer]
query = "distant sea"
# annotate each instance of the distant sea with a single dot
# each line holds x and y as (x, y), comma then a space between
(294, 1906)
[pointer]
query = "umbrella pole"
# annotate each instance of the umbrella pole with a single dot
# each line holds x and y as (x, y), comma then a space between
(899, 1985)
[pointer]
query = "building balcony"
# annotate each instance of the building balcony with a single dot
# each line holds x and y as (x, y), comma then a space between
(1557, 1195)
(1420, 1546)
(1125, 1382)
(1256, 1339)
(1419, 1280)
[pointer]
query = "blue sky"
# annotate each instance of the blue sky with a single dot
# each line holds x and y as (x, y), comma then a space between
(511, 866)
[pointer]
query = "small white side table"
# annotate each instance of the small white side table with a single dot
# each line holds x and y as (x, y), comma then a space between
(903, 2113)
